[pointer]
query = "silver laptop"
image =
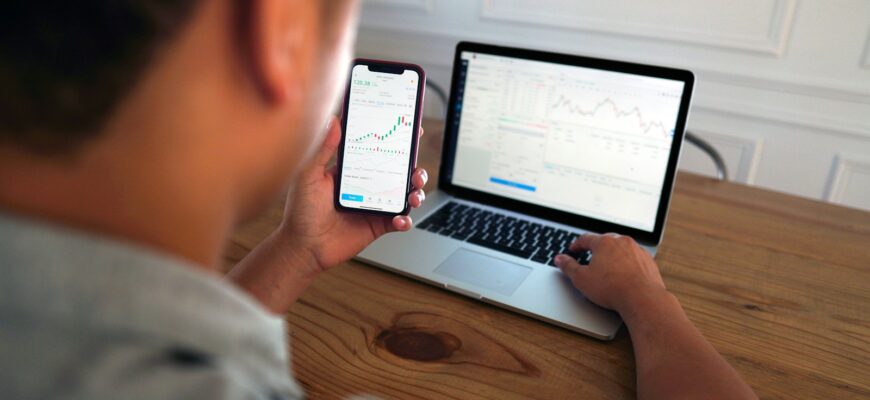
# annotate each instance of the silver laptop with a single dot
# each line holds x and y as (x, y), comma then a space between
(539, 148)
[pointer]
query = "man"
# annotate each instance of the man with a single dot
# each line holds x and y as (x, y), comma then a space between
(135, 135)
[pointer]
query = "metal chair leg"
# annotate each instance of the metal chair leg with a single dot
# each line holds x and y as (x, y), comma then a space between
(706, 147)
(439, 91)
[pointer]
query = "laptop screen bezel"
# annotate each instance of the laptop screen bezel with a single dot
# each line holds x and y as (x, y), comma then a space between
(448, 155)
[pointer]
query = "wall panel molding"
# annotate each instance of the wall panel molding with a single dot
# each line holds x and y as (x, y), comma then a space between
(849, 182)
(865, 59)
(804, 119)
(771, 38)
(825, 88)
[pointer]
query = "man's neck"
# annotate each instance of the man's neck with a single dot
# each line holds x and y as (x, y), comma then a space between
(153, 206)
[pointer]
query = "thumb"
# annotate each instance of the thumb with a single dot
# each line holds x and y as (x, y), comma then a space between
(573, 270)
(330, 143)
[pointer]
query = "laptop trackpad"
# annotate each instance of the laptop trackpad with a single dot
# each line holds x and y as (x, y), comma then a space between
(483, 271)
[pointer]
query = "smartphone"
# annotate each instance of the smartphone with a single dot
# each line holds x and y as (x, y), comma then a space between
(380, 124)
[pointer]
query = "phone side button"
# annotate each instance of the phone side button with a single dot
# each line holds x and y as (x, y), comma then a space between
(462, 291)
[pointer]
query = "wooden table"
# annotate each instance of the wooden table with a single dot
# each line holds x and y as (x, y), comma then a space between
(778, 284)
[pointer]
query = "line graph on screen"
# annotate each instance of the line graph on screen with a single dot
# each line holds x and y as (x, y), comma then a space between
(607, 113)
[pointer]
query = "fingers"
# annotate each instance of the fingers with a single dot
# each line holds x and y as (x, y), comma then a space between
(572, 269)
(419, 178)
(567, 264)
(586, 241)
(421, 132)
(401, 223)
(330, 143)
(415, 199)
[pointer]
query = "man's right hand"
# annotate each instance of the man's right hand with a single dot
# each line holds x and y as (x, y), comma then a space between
(673, 360)
(621, 276)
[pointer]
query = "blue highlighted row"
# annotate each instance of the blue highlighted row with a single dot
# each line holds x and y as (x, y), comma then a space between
(512, 184)
(351, 197)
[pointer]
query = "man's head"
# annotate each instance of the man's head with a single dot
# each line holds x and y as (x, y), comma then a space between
(168, 94)
(64, 66)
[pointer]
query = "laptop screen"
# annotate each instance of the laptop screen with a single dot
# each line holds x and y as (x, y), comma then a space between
(586, 141)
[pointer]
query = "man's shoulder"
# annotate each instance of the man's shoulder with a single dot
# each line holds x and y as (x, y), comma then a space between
(47, 361)
(91, 315)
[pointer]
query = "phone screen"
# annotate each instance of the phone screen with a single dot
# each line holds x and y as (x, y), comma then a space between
(377, 140)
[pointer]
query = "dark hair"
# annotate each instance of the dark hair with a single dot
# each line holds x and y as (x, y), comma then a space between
(65, 64)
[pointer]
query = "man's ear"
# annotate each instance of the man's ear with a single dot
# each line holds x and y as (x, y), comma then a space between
(278, 36)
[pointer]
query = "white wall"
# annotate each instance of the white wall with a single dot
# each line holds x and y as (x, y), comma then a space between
(783, 86)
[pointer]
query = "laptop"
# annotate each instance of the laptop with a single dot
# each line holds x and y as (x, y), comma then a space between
(539, 148)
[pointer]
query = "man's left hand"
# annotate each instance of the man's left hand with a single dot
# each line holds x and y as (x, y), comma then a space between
(313, 225)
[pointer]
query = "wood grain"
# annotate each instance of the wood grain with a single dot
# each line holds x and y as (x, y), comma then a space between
(779, 285)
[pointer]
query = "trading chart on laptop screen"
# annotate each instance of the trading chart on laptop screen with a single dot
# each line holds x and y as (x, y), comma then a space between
(586, 141)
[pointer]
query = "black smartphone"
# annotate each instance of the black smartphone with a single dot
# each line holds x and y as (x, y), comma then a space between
(380, 124)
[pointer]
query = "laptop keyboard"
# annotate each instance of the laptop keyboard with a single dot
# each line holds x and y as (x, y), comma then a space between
(514, 236)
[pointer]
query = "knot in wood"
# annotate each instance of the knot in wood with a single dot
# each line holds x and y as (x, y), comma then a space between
(419, 345)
